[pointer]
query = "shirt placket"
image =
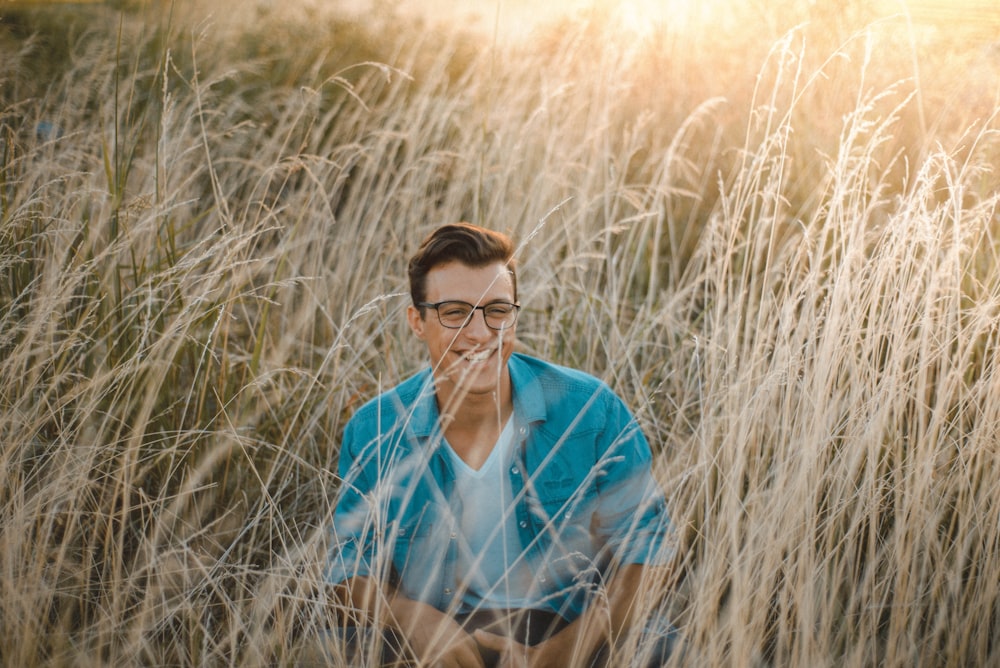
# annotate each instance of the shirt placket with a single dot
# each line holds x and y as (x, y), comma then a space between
(445, 478)
(519, 482)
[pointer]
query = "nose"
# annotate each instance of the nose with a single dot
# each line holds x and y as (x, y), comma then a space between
(477, 329)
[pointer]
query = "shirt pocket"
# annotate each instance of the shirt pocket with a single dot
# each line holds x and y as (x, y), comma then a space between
(417, 556)
(563, 508)
(564, 521)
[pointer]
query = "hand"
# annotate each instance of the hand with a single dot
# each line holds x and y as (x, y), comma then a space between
(438, 641)
(515, 655)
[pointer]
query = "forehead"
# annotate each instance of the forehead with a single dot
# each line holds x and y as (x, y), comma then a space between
(457, 281)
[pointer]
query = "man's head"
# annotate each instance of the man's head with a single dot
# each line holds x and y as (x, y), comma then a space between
(472, 246)
(465, 308)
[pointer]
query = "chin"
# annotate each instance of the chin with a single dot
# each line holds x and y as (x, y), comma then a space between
(479, 383)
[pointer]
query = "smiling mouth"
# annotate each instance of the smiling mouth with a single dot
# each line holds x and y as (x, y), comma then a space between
(480, 356)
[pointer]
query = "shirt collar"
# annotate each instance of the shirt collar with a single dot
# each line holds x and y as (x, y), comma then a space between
(529, 399)
(424, 416)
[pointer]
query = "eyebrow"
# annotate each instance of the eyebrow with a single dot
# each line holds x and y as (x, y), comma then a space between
(492, 301)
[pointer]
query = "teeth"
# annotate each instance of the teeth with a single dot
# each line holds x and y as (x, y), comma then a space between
(478, 357)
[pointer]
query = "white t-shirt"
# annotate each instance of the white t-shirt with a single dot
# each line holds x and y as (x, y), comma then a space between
(489, 573)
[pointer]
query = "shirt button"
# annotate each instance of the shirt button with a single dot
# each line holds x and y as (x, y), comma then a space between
(447, 591)
(453, 535)
(515, 470)
(522, 431)
(523, 524)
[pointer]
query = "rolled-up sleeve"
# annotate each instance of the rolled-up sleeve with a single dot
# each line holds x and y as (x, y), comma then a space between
(352, 535)
(631, 515)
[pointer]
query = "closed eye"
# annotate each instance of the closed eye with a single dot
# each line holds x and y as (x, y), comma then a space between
(498, 310)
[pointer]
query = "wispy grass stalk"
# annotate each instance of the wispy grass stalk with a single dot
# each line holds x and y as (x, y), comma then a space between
(786, 267)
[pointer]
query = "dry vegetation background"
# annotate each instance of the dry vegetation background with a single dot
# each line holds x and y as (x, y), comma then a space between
(774, 232)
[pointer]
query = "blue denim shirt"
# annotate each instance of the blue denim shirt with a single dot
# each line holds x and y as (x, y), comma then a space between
(583, 491)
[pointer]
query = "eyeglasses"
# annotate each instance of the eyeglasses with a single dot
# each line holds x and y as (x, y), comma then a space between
(456, 315)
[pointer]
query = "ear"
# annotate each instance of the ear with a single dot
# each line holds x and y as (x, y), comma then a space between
(416, 321)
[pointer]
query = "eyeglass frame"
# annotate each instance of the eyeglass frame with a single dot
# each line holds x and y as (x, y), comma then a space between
(472, 312)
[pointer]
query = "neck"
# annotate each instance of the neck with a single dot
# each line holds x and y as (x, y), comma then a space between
(472, 423)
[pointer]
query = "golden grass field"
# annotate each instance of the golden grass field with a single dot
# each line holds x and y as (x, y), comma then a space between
(773, 229)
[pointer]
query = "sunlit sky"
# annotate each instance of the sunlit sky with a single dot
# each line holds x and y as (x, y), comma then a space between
(518, 17)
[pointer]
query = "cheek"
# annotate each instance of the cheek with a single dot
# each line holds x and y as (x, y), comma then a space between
(440, 341)
(506, 341)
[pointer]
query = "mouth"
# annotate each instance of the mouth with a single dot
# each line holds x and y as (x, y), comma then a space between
(478, 357)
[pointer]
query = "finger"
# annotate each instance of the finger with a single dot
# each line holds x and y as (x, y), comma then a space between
(492, 641)
(468, 656)
(464, 657)
(512, 653)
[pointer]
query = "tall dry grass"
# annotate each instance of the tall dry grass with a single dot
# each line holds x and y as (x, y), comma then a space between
(774, 234)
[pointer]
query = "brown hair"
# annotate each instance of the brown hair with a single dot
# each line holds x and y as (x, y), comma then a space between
(459, 242)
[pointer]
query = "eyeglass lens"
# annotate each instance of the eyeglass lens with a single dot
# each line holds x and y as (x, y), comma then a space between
(458, 314)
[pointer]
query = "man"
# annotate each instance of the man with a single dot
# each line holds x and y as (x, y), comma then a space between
(493, 507)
